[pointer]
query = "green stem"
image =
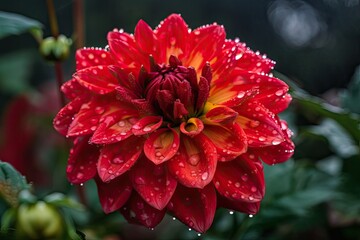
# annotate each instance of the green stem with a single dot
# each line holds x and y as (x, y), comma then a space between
(78, 15)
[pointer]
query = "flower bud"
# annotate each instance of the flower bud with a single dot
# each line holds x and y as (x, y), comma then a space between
(55, 49)
(39, 221)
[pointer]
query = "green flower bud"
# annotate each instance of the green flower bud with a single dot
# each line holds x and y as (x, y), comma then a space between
(39, 221)
(55, 49)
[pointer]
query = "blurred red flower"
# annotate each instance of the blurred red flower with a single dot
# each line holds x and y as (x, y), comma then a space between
(176, 120)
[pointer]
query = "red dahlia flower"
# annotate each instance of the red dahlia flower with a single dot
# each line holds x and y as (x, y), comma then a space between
(175, 120)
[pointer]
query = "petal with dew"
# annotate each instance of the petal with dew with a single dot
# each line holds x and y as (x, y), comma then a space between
(147, 125)
(81, 165)
(194, 207)
(153, 182)
(162, 145)
(113, 195)
(90, 57)
(137, 211)
(195, 163)
(115, 159)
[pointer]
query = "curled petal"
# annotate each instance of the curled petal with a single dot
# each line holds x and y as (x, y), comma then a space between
(192, 127)
(115, 126)
(98, 79)
(220, 114)
(240, 180)
(194, 207)
(162, 145)
(203, 93)
(82, 161)
(65, 116)
(172, 35)
(147, 125)
(137, 211)
(230, 140)
(195, 164)
(87, 57)
(154, 184)
(118, 158)
(261, 126)
(240, 206)
(113, 195)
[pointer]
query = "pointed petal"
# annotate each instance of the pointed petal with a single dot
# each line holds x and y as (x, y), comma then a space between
(194, 207)
(207, 42)
(203, 93)
(98, 79)
(72, 89)
(113, 195)
(147, 125)
(192, 127)
(154, 184)
(115, 159)
(88, 57)
(250, 61)
(146, 39)
(230, 140)
(240, 180)
(240, 206)
(172, 35)
(64, 117)
(260, 125)
(82, 161)
(162, 145)
(86, 120)
(137, 211)
(124, 48)
(195, 163)
(115, 126)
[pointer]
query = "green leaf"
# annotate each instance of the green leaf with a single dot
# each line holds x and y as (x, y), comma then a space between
(15, 24)
(351, 97)
(11, 183)
(7, 218)
(60, 200)
(15, 70)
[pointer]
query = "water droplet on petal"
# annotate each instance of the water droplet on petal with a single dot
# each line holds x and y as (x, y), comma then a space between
(117, 160)
(199, 234)
(253, 189)
(275, 142)
(194, 159)
(279, 93)
(139, 180)
(250, 216)
(262, 139)
(205, 176)
(231, 212)
(241, 94)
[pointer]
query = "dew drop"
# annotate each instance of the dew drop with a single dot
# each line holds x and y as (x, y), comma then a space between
(79, 175)
(190, 229)
(254, 124)
(147, 129)
(275, 142)
(121, 123)
(250, 216)
(244, 178)
(174, 218)
(205, 176)
(99, 110)
(262, 139)
(117, 160)
(237, 184)
(231, 212)
(139, 180)
(253, 189)
(241, 94)
(199, 234)
(194, 159)
(279, 93)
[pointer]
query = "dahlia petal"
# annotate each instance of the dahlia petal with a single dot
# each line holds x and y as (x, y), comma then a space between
(82, 160)
(277, 105)
(124, 48)
(137, 211)
(113, 195)
(192, 127)
(220, 114)
(225, 62)
(239, 180)
(194, 207)
(195, 163)
(98, 79)
(240, 206)
(72, 89)
(116, 126)
(147, 125)
(86, 120)
(260, 125)
(230, 141)
(115, 159)
(172, 35)
(253, 62)
(162, 145)
(154, 184)
(179, 110)
(64, 117)
(207, 42)
(145, 38)
(87, 57)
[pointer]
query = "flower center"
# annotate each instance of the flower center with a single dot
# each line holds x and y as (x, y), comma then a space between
(175, 91)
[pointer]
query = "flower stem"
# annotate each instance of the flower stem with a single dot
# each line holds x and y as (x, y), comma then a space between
(78, 13)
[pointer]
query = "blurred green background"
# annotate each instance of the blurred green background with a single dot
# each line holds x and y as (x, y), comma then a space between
(316, 45)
